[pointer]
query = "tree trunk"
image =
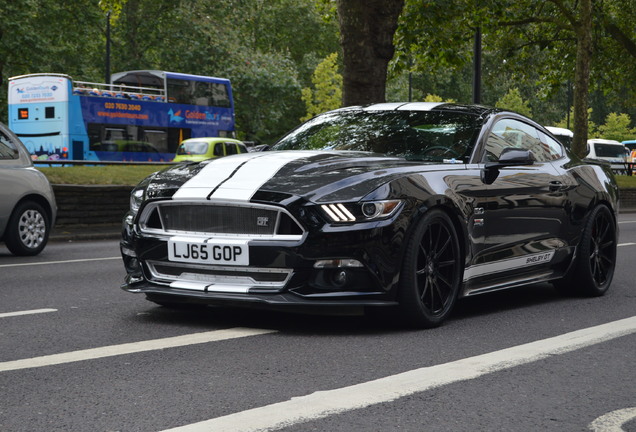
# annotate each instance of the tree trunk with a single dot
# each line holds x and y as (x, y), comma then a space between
(366, 35)
(582, 77)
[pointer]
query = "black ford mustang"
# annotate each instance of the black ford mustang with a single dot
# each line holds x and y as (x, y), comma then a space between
(411, 205)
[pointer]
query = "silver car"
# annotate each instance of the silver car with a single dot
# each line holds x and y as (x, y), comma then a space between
(27, 202)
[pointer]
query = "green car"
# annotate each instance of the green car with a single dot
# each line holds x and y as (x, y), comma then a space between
(199, 149)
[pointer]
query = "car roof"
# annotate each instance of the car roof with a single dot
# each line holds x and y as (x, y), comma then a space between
(213, 139)
(479, 110)
(560, 131)
(603, 141)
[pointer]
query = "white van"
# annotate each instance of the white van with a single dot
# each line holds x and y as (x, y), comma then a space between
(610, 151)
(562, 134)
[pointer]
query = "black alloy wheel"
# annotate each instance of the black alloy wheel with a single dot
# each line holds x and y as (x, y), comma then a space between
(593, 271)
(431, 273)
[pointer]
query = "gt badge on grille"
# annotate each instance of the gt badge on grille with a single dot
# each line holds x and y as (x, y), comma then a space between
(262, 221)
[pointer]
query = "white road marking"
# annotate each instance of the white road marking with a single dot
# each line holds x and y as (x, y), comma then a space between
(613, 421)
(326, 403)
(625, 222)
(59, 262)
(130, 348)
(26, 312)
(626, 244)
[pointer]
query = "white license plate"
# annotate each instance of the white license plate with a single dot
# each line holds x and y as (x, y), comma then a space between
(224, 252)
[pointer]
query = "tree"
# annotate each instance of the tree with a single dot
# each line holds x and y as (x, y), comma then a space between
(327, 92)
(366, 36)
(513, 101)
(617, 127)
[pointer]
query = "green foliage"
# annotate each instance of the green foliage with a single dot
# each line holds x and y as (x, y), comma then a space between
(617, 127)
(435, 98)
(327, 91)
(266, 90)
(271, 49)
(591, 126)
(267, 49)
(513, 101)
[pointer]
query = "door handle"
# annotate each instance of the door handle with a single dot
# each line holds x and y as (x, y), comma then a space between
(556, 186)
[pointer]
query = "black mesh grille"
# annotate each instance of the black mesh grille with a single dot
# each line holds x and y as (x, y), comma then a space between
(218, 219)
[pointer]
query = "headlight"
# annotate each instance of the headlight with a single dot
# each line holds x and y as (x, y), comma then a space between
(361, 212)
(136, 199)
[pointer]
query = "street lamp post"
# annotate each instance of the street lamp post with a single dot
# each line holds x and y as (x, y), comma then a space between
(477, 67)
(107, 73)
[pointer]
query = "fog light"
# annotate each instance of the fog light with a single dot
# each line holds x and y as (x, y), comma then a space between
(340, 278)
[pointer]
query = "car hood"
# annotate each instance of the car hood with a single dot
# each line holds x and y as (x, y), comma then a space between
(316, 176)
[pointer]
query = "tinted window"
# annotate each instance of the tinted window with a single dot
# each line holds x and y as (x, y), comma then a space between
(8, 149)
(415, 135)
(218, 149)
(230, 148)
(609, 150)
(553, 147)
(516, 134)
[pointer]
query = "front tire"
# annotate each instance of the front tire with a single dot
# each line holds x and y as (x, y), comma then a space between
(593, 270)
(432, 271)
(28, 229)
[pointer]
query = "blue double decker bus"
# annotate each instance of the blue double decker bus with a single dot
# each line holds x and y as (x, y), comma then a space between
(141, 116)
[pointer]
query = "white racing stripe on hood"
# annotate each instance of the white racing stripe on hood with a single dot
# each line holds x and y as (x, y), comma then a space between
(211, 176)
(237, 177)
(247, 180)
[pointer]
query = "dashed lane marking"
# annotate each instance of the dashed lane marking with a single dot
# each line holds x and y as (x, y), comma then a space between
(58, 262)
(130, 348)
(26, 312)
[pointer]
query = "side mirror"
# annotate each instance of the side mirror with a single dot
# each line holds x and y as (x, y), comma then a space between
(509, 157)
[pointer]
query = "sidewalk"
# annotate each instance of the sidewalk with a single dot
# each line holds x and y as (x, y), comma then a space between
(66, 233)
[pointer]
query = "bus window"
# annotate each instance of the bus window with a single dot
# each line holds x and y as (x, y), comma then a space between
(157, 138)
(211, 94)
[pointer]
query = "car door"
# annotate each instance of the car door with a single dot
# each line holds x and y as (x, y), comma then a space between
(522, 210)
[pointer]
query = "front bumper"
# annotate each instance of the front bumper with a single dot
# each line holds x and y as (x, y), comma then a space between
(279, 274)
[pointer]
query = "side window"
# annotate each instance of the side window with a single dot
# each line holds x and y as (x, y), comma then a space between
(241, 148)
(553, 149)
(8, 149)
(513, 133)
(218, 149)
(230, 148)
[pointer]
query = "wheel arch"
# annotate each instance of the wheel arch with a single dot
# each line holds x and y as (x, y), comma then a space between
(42, 201)
(449, 207)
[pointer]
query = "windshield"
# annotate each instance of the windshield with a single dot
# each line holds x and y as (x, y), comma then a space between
(610, 150)
(192, 148)
(415, 135)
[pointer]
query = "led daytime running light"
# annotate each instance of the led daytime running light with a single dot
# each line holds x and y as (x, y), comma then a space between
(338, 213)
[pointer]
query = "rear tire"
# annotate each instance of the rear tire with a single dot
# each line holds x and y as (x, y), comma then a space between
(431, 273)
(28, 229)
(592, 273)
